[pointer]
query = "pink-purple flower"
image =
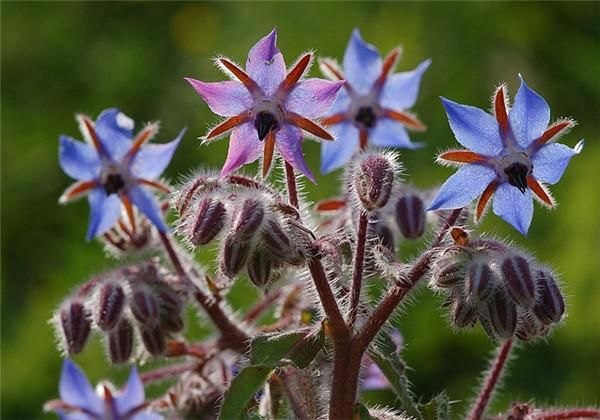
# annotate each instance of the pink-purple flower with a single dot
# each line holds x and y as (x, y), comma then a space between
(267, 107)
(79, 401)
(371, 109)
(115, 170)
(512, 155)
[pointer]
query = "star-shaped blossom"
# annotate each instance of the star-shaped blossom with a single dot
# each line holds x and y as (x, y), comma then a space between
(79, 401)
(371, 109)
(267, 107)
(512, 155)
(115, 170)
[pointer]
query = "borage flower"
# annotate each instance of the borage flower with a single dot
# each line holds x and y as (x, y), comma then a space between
(115, 170)
(372, 106)
(267, 107)
(79, 401)
(512, 154)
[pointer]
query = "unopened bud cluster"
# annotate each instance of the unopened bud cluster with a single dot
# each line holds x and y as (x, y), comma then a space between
(254, 226)
(140, 300)
(505, 290)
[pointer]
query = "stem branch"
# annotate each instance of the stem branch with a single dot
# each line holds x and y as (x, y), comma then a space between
(359, 260)
(291, 185)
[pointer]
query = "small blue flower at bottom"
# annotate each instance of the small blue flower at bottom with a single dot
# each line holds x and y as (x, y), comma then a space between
(511, 155)
(79, 401)
(115, 169)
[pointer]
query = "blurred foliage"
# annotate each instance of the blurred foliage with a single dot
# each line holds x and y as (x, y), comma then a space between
(62, 58)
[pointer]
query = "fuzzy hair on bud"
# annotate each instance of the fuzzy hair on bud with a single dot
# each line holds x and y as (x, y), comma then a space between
(449, 269)
(259, 267)
(144, 305)
(463, 314)
(518, 280)
(110, 303)
(120, 342)
(209, 218)
(501, 315)
(551, 305)
(480, 281)
(248, 219)
(153, 339)
(372, 178)
(410, 216)
(234, 254)
(74, 325)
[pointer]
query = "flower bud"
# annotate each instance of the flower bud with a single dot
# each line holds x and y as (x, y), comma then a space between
(75, 324)
(153, 339)
(111, 301)
(463, 314)
(551, 305)
(410, 216)
(172, 322)
(502, 314)
(234, 256)
(144, 305)
(120, 342)
(373, 181)
(448, 271)
(530, 328)
(248, 219)
(208, 222)
(480, 281)
(519, 280)
(259, 267)
(276, 239)
(385, 235)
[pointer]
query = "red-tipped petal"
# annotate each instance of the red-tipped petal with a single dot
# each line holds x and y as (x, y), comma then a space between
(268, 152)
(143, 137)
(227, 125)
(130, 213)
(500, 110)
(77, 190)
(334, 119)
(556, 129)
(406, 119)
(154, 184)
(90, 129)
(540, 192)
(330, 68)
(308, 125)
(485, 198)
(296, 72)
(388, 65)
(462, 156)
(363, 138)
(240, 74)
(330, 205)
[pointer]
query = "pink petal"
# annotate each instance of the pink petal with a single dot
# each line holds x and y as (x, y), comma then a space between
(265, 64)
(224, 98)
(289, 144)
(312, 98)
(244, 147)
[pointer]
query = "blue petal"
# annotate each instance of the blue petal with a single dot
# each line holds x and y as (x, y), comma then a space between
(148, 205)
(79, 160)
(514, 206)
(335, 154)
(265, 63)
(551, 160)
(152, 159)
(390, 133)
(464, 186)
(75, 389)
(147, 415)
(289, 144)
(401, 89)
(529, 116)
(132, 395)
(104, 212)
(115, 131)
(362, 63)
(342, 102)
(474, 128)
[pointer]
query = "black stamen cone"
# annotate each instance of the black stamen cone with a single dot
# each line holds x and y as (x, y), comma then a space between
(366, 117)
(113, 184)
(517, 176)
(264, 123)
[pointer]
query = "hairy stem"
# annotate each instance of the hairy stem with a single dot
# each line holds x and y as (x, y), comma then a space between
(292, 188)
(567, 413)
(491, 381)
(359, 260)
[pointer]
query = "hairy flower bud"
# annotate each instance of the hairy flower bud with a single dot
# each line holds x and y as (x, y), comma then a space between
(153, 339)
(480, 281)
(463, 314)
(410, 216)
(234, 256)
(209, 219)
(276, 239)
(373, 181)
(519, 280)
(110, 304)
(120, 342)
(248, 219)
(172, 322)
(501, 314)
(448, 270)
(144, 305)
(259, 267)
(75, 324)
(530, 328)
(384, 234)
(551, 305)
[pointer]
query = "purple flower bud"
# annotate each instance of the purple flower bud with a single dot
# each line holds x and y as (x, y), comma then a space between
(530, 328)
(76, 325)
(248, 219)
(480, 281)
(519, 280)
(234, 256)
(410, 216)
(259, 267)
(385, 235)
(463, 314)
(501, 314)
(154, 340)
(373, 181)
(208, 222)
(169, 299)
(448, 271)
(144, 305)
(172, 322)
(551, 305)
(120, 342)
(276, 239)
(111, 301)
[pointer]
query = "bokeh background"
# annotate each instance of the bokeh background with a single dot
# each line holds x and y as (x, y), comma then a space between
(62, 58)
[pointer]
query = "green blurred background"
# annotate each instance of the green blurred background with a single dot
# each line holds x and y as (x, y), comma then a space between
(62, 58)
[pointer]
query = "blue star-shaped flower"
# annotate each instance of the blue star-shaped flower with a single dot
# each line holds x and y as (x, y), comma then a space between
(371, 107)
(115, 169)
(79, 401)
(511, 155)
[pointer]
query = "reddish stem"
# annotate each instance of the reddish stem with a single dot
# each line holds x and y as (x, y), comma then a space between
(491, 381)
(291, 185)
(359, 260)
(567, 413)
